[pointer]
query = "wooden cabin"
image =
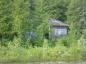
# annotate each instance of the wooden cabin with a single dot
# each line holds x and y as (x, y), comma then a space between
(57, 28)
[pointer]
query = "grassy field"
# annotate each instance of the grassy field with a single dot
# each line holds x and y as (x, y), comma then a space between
(16, 53)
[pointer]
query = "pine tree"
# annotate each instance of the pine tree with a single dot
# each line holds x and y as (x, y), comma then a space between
(39, 20)
(82, 23)
(56, 8)
(20, 14)
(73, 18)
(5, 18)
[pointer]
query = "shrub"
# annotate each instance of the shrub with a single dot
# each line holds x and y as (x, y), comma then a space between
(82, 47)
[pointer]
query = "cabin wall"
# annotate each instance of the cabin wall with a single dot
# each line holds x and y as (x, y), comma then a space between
(58, 31)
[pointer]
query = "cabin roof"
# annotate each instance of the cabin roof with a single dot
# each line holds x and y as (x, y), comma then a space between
(55, 22)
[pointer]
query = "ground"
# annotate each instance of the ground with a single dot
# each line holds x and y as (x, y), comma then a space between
(79, 62)
(60, 63)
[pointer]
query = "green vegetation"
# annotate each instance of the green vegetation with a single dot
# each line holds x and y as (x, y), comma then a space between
(23, 24)
(14, 53)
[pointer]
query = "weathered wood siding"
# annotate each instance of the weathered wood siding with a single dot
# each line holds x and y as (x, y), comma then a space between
(59, 31)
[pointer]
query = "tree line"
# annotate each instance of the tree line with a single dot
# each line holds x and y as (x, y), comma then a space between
(20, 16)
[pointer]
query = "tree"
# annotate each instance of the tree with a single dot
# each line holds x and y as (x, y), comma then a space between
(5, 19)
(20, 14)
(73, 18)
(39, 19)
(82, 23)
(56, 8)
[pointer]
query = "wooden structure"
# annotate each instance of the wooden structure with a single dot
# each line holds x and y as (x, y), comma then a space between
(57, 28)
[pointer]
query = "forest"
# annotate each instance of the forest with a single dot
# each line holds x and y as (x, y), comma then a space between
(18, 18)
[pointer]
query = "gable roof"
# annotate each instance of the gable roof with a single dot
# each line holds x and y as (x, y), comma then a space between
(55, 22)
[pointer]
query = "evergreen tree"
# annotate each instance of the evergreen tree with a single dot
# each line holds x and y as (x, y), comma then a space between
(20, 14)
(56, 8)
(5, 18)
(82, 23)
(73, 18)
(39, 20)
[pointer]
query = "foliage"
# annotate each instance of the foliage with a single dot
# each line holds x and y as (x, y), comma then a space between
(5, 16)
(17, 17)
(16, 54)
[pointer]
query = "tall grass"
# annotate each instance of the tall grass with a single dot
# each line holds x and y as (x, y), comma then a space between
(15, 53)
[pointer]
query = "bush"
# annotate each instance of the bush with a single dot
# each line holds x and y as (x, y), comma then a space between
(82, 47)
(15, 53)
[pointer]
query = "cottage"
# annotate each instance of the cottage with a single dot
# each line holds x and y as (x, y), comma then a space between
(57, 28)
